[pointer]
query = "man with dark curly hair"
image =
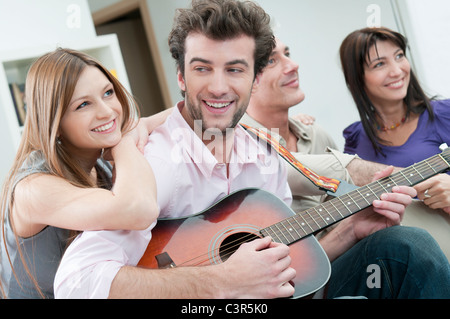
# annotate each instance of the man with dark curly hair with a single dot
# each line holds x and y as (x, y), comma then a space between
(200, 155)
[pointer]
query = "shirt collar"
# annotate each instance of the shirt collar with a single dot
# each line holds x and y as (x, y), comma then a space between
(246, 149)
(299, 129)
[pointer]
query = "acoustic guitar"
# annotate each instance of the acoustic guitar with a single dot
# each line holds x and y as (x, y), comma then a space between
(212, 235)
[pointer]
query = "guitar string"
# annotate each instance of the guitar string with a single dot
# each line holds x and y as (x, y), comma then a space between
(379, 187)
(396, 179)
(233, 245)
(376, 189)
(236, 243)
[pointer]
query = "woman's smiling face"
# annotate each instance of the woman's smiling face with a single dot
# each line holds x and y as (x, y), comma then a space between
(94, 116)
(387, 73)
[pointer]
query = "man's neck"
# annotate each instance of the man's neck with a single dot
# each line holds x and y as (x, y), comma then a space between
(278, 122)
(219, 143)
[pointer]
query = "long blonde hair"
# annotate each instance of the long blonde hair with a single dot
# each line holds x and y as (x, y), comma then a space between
(49, 86)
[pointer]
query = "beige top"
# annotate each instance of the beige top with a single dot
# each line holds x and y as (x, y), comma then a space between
(316, 151)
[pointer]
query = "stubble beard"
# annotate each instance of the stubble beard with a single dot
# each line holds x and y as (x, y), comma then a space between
(196, 115)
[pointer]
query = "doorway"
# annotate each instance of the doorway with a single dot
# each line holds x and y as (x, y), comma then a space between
(130, 20)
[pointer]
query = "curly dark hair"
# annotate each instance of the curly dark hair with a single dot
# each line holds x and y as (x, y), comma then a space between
(223, 20)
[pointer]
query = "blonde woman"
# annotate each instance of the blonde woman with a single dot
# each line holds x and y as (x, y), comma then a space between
(78, 115)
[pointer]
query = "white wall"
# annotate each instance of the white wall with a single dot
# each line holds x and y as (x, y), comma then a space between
(28, 23)
(427, 26)
(314, 30)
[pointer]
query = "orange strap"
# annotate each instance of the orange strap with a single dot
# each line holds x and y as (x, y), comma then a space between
(326, 183)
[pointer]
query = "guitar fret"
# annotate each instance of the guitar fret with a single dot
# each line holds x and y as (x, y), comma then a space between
(274, 234)
(414, 177)
(345, 205)
(331, 203)
(329, 211)
(289, 230)
(376, 196)
(316, 218)
(282, 233)
(325, 222)
(430, 166)
(363, 197)
(446, 160)
(393, 181)
(382, 186)
(292, 228)
(295, 219)
(418, 173)
(305, 222)
(401, 173)
(400, 180)
(348, 195)
(322, 208)
(312, 218)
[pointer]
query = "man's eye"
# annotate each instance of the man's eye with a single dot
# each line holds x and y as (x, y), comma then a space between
(200, 69)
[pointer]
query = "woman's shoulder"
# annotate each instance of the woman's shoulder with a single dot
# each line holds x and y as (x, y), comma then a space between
(441, 123)
(352, 135)
(353, 131)
(441, 108)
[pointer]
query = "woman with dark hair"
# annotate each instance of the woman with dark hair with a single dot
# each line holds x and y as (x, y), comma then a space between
(399, 124)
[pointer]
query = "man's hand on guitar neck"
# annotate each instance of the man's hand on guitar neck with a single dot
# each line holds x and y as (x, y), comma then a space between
(386, 212)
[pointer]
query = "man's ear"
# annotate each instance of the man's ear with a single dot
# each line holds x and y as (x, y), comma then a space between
(180, 80)
(255, 86)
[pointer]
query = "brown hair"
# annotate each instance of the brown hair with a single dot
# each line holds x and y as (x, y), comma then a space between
(49, 86)
(221, 20)
(354, 54)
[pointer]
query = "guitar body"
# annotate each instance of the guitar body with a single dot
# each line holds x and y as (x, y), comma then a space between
(209, 237)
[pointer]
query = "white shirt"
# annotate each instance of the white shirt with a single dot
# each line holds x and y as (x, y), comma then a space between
(189, 179)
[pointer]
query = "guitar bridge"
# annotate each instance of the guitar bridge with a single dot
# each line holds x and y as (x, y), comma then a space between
(164, 261)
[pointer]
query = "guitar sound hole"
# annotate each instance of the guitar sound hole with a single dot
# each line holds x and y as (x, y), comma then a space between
(232, 243)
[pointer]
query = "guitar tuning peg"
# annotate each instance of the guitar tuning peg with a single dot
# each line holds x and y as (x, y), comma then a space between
(443, 147)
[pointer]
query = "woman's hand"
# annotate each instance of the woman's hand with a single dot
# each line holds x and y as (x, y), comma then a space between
(435, 192)
(305, 118)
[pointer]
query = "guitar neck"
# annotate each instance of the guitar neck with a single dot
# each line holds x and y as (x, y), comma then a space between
(320, 217)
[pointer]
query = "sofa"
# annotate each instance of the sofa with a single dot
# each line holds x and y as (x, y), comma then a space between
(436, 222)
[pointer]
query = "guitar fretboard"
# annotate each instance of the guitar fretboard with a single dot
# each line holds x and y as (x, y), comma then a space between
(320, 217)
